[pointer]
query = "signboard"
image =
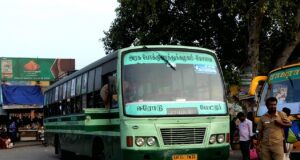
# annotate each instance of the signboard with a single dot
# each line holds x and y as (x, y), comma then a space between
(285, 74)
(34, 69)
(16, 106)
(181, 108)
(207, 62)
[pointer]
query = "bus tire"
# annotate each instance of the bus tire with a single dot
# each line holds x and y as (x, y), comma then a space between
(98, 150)
(66, 155)
(62, 154)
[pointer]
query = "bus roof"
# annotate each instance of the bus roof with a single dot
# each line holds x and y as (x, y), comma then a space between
(84, 69)
(286, 66)
(113, 55)
(166, 46)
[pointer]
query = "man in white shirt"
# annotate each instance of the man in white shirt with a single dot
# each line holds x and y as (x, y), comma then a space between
(245, 132)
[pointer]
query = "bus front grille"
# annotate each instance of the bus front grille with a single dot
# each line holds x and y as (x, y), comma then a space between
(174, 136)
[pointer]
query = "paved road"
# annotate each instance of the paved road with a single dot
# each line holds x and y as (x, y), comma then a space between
(28, 152)
(36, 151)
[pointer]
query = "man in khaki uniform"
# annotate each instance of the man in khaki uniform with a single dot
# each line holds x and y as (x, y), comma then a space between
(271, 133)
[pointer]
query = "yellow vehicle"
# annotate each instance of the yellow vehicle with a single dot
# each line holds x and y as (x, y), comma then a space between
(284, 84)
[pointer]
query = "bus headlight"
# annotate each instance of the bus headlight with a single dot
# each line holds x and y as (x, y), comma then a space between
(139, 141)
(220, 138)
(151, 141)
(212, 139)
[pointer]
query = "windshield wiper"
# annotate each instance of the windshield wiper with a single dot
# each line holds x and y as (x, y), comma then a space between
(291, 81)
(167, 62)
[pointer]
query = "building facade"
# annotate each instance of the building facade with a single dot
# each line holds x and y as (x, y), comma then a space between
(23, 81)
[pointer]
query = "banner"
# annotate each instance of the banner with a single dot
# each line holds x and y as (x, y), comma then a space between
(34, 69)
(22, 95)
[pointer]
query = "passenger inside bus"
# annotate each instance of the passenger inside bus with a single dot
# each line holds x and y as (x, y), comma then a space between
(132, 92)
(104, 95)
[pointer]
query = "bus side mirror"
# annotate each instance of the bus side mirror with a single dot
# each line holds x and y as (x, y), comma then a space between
(254, 84)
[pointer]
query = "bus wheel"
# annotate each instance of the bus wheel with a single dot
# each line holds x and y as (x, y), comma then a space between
(62, 154)
(67, 155)
(98, 150)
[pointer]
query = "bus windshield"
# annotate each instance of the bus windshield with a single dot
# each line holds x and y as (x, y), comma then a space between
(168, 83)
(285, 86)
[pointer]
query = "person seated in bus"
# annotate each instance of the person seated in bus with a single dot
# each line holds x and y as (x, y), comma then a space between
(105, 95)
(114, 90)
(110, 99)
(126, 91)
(130, 92)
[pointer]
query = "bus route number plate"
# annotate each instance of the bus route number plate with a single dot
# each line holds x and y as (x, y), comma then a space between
(185, 157)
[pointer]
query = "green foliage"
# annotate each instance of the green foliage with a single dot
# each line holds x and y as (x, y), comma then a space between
(219, 25)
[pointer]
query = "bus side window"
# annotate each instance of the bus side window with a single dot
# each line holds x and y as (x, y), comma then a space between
(104, 93)
(108, 92)
(97, 83)
(97, 99)
(78, 107)
(104, 101)
(84, 101)
(113, 91)
(90, 100)
(68, 107)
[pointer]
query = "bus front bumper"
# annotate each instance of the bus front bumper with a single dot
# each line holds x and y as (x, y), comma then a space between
(217, 153)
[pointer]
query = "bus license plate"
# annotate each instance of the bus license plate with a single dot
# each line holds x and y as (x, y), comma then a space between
(185, 157)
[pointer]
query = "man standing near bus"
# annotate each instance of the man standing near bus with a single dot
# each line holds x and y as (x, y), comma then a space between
(271, 135)
(245, 132)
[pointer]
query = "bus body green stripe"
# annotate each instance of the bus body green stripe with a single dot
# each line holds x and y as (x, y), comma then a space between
(83, 117)
(103, 116)
(66, 119)
(51, 120)
(86, 128)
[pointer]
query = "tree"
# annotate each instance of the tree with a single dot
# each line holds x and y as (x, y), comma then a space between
(268, 21)
(184, 22)
(255, 17)
(294, 39)
(257, 31)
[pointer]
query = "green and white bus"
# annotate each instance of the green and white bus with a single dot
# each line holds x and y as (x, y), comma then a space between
(164, 103)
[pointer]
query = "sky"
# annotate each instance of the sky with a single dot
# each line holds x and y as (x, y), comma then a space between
(55, 28)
